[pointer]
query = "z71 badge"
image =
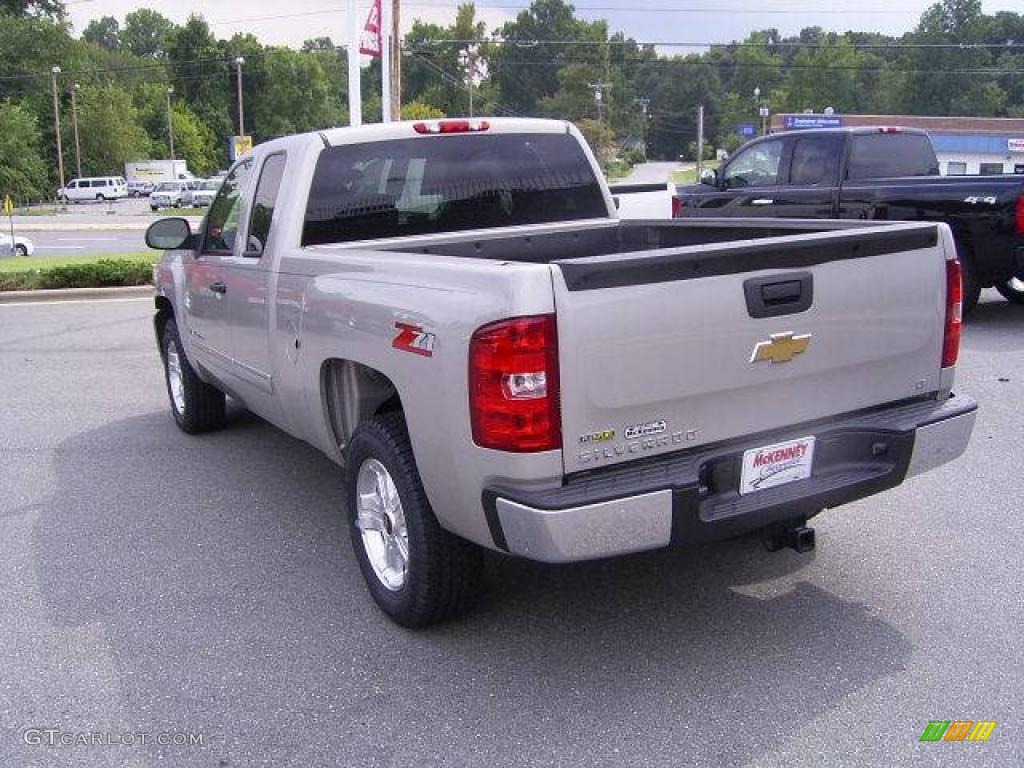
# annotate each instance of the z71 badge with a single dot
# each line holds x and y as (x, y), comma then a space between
(412, 338)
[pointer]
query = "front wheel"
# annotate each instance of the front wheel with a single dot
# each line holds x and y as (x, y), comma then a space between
(1012, 290)
(196, 405)
(417, 572)
(154, 207)
(21, 249)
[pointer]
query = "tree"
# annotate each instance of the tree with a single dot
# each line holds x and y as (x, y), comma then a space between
(22, 167)
(104, 32)
(146, 33)
(52, 9)
(108, 125)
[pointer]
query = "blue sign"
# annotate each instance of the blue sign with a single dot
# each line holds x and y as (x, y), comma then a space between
(792, 122)
(746, 130)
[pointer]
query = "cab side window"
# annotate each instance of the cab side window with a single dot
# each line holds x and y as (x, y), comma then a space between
(225, 212)
(815, 161)
(263, 205)
(757, 166)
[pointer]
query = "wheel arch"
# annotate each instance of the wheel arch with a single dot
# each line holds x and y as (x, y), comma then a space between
(164, 312)
(350, 393)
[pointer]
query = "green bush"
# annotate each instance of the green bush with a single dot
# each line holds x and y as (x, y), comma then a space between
(88, 274)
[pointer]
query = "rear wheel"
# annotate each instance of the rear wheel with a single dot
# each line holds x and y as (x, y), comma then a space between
(100, 198)
(196, 405)
(154, 207)
(1012, 290)
(21, 249)
(417, 572)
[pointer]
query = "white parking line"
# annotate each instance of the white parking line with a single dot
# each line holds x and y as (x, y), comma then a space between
(88, 239)
(82, 300)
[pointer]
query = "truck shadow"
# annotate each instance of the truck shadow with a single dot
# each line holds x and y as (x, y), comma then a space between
(220, 575)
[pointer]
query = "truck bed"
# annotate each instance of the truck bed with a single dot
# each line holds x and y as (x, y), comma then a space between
(668, 240)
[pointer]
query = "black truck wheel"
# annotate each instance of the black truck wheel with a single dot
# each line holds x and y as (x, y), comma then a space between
(417, 572)
(1012, 290)
(969, 275)
(196, 406)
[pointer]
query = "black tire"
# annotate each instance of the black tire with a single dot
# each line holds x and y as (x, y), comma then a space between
(100, 199)
(969, 275)
(443, 570)
(20, 250)
(154, 207)
(1012, 290)
(203, 406)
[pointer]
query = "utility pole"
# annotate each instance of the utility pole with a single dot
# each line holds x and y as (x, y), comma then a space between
(644, 103)
(599, 89)
(74, 122)
(396, 59)
(239, 61)
(170, 129)
(700, 139)
(355, 94)
(54, 71)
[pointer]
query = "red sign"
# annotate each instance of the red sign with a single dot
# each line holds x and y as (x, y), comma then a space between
(370, 41)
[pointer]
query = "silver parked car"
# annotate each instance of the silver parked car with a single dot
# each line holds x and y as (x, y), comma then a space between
(203, 195)
(171, 194)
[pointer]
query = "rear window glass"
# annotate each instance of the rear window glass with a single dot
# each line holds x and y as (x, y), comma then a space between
(435, 184)
(885, 155)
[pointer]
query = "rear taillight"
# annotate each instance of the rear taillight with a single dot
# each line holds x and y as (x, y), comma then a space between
(1019, 221)
(677, 206)
(954, 313)
(452, 126)
(513, 385)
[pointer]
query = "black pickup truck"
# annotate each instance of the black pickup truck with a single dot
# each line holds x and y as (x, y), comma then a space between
(877, 174)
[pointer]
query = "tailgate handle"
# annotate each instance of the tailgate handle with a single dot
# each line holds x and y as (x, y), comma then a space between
(778, 295)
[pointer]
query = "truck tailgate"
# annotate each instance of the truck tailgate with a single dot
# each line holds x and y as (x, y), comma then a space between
(666, 350)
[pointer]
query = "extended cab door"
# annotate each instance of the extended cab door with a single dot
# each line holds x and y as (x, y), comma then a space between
(811, 188)
(205, 277)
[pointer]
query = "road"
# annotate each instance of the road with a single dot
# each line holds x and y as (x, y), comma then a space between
(651, 173)
(87, 242)
(151, 582)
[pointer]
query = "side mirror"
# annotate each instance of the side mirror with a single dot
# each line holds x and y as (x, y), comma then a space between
(710, 177)
(169, 234)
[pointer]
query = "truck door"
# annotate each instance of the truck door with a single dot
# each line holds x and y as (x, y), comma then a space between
(811, 189)
(751, 182)
(205, 286)
(248, 279)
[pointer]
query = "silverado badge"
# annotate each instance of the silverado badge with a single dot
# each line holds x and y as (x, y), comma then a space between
(780, 348)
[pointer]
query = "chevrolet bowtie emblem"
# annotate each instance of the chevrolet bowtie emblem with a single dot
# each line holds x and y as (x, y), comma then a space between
(781, 347)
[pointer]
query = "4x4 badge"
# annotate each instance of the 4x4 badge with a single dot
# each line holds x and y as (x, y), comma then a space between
(780, 347)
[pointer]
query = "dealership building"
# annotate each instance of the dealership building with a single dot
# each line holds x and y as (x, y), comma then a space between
(964, 145)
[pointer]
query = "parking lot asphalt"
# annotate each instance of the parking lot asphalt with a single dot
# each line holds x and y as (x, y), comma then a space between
(155, 583)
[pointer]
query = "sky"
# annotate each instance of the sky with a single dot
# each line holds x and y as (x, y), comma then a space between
(666, 22)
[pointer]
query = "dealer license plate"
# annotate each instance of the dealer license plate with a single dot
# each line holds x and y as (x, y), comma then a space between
(777, 464)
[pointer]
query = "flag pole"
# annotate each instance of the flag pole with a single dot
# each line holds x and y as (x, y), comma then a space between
(385, 60)
(355, 96)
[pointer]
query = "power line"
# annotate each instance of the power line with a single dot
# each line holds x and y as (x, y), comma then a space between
(532, 43)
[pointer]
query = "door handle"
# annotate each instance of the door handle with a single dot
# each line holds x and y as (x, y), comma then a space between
(762, 201)
(218, 287)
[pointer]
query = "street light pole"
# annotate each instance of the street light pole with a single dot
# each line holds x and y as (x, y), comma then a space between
(56, 120)
(241, 114)
(74, 122)
(170, 128)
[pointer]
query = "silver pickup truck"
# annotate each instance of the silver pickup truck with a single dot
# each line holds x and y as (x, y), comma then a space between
(452, 312)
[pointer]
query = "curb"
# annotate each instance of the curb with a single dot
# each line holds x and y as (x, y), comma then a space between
(76, 294)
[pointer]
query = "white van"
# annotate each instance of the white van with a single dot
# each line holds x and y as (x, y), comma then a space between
(99, 188)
